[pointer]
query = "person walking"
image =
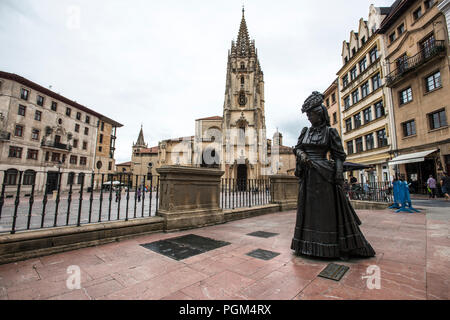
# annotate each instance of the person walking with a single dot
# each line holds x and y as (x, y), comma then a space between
(445, 185)
(431, 184)
(139, 194)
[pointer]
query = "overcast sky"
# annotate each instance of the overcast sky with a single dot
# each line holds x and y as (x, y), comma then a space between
(162, 64)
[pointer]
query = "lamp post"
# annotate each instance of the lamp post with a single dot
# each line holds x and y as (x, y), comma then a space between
(149, 175)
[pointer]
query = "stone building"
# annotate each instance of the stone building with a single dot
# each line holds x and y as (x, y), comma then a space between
(366, 110)
(417, 57)
(332, 103)
(43, 134)
(105, 164)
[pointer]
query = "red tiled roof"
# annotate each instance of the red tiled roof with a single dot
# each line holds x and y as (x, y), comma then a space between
(41, 89)
(149, 150)
(125, 164)
(211, 118)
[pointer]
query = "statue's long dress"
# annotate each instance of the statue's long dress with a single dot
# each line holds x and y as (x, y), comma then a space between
(327, 225)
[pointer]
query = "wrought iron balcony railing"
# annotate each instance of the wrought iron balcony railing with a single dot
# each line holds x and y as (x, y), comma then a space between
(56, 145)
(412, 63)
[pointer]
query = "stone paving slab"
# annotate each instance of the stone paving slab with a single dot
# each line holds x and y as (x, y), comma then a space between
(413, 257)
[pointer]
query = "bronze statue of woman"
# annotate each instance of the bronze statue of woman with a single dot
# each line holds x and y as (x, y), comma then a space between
(327, 225)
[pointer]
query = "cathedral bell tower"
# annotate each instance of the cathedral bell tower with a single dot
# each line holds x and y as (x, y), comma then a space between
(243, 109)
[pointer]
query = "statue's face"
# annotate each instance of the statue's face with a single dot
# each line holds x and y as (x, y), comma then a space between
(315, 117)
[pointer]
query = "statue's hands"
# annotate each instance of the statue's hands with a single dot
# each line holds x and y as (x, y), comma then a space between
(303, 157)
(339, 178)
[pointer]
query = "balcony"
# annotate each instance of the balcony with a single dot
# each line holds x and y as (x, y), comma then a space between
(56, 145)
(5, 136)
(437, 49)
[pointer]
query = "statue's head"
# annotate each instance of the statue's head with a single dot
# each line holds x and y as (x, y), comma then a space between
(316, 111)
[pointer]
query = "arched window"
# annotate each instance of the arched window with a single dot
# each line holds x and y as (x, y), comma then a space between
(70, 178)
(80, 178)
(11, 177)
(29, 178)
(242, 65)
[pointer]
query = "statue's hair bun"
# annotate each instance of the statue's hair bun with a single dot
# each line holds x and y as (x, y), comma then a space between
(313, 101)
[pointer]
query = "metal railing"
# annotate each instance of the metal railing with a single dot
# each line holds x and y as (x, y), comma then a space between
(370, 191)
(406, 65)
(68, 200)
(236, 193)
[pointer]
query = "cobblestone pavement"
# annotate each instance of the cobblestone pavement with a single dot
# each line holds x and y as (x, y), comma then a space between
(413, 257)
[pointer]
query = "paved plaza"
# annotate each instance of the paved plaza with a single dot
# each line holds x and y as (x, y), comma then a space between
(413, 257)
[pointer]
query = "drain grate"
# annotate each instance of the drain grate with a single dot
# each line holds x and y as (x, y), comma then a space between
(263, 254)
(263, 234)
(334, 272)
(184, 247)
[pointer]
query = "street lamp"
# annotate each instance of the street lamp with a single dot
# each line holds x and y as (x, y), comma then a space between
(149, 175)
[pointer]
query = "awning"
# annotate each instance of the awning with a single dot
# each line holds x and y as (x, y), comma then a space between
(411, 157)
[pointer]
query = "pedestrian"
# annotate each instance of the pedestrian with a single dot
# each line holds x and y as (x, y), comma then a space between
(445, 185)
(431, 184)
(139, 195)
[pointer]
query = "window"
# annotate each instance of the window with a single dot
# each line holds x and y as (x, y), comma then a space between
(357, 119)
(376, 81)
(32, 154)
(334, 117)
(22, 110)
(433, 82)
(359, 144)
(29, 178)
(83, 161)
(77, 127)
(382, 138)
(402, 63)
(78, 115)
(355, 96)
(18, 131)
(350, 147)
(73, 159)
(363, 64)
(365, 89)
(418, 13)
(406, 96)
(346, 103)
(369, 142)
(353, 51)
(363, 40)
(379, 109)
(110, 166)
(367, 115)
(100, 149)
(353, 73)
(333, 98)
(75, 143)
(427, 46)
(102, 126)
(346, 59)
(56, 157)
(88, 119)
(345, 80)
(11, 177)
(80, 177)
(57, 139)
(70, 178)
(54, 106)
(35, 134)
(40, 101)
(428, 4)
(374, 55)
(348, 124)
(392, 37)
(409, 128)
(24, 93)
(86, 131)
(38, 115)
(15, 152)
(437, 119)
(401, 29)
(328, 102)
(101, 138)
(68, 112)
(84, 145)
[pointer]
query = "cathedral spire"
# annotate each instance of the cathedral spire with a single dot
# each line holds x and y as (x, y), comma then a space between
(243, 44)
(140, 141)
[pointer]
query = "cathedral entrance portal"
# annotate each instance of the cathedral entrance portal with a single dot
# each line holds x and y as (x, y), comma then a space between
(242, 177)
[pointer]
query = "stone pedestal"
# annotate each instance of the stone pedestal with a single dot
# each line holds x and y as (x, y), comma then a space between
(285, 191)
(189, 197)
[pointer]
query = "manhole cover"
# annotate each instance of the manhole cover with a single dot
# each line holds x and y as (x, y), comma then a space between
(263, 254)
(184, 247)
(334, 272)
(262, 234)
